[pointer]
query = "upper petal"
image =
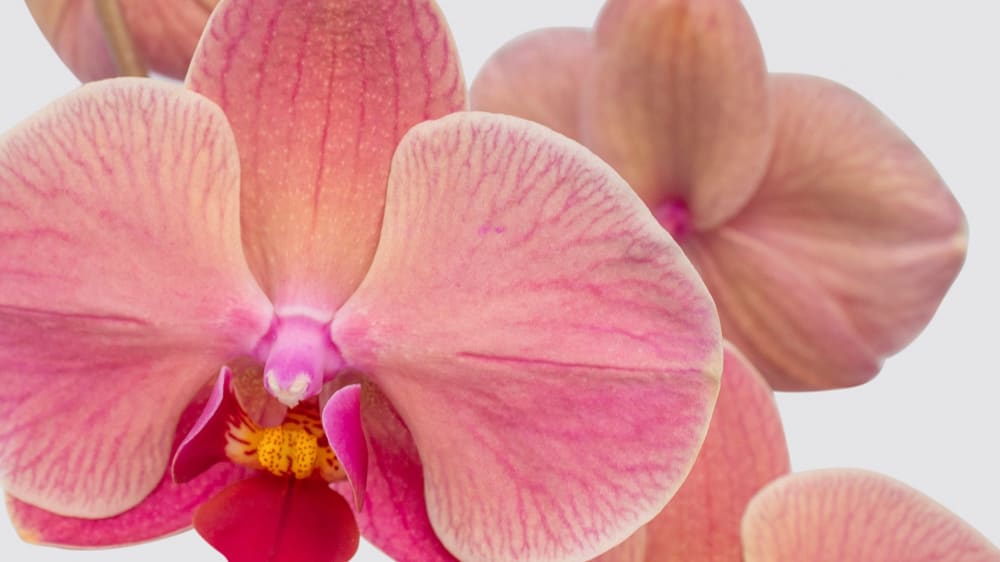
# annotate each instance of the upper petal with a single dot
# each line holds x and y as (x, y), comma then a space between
(537, 76)
(744, 450)
(122, 288)
(852, 223)
(166, 32)
(76, 35)
(550, 349)
(319, 94)
(839, 514)
(676, 101)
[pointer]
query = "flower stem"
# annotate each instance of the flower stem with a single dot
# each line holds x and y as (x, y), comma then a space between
(123, 53)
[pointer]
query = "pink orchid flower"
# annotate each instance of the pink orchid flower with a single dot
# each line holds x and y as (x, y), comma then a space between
(824, 235)
(509, 358)
(845, 514)
(163, 33)
(744, 451)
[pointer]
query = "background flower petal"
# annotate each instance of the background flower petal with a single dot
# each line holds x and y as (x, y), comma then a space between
(841, 514)
(550, 349)
(166, 510)
(676, 101)
(744, 450)
(537, 76)
(851, 224)
(123, 288)
(318, 94)
(164, 33)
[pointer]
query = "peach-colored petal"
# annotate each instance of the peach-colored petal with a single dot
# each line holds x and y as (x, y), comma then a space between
(633, 549)
(836, 515)
(550, 349)
(122, 289)
(844, 254)
(744, 450)
(163, 32)
(537, 76)
(166, 32)
(676, 101)
(318, 94)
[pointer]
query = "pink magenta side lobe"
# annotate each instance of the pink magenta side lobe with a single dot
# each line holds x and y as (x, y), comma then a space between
(342, 425)
(553, 354)
(842, 514)
(122, 289)
(319, 94)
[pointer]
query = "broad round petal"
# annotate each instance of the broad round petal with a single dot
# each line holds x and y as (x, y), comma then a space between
(676, 101)
(537, 76)
(844, 254)
(550, 349)
(840, 514)
(122, 289)
(744, 450)
(394, 517)
(319, 94)
(292, 520)
(168, 509)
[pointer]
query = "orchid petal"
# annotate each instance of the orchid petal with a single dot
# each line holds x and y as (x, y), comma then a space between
(205, 443)
(676, 101)
(844, 254)
(319, 94)
(292, 520)
(166, 510)
(394, 517)
(550, 349)
(839, 514)
(537, 76)
(633, 549)
(744, 450)
(122, 288)
(342, 425)
(164, 33)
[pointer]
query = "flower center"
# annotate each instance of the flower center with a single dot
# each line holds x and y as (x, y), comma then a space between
(674, 215)
(297, 448)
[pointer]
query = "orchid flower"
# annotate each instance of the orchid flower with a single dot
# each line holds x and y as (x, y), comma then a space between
(509, 359)
(744, 451)
(822, 232)
(100, 39)
(846, 514)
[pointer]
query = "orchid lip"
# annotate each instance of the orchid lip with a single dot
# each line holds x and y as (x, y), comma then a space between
(298, 357)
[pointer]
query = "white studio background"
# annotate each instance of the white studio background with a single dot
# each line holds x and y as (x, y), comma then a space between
(931, 419)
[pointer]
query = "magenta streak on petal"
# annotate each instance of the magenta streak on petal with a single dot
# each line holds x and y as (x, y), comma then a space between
(300, 358)
(205, 444)
(342, 424)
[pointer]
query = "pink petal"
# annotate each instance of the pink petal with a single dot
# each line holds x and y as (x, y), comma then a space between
(342, 425)
(537, 76)
(164, 33)
(166, 510)
(204, 444)
(394, 517)
(677, 102)
(319, 93)
(744, 450)
(290, 520)
(848, 199)
(122, 289)
(633, 549)
(839, 514)
(518, 284)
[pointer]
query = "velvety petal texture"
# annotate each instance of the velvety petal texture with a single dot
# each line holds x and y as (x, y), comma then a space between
(840, 514)
(744, 450)
(846, 251)
(537, 76)
(319, 92)
(122, 289)
(342, 425)
(271, 519)
(164, 33)
(550, 349)
(676, 101)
